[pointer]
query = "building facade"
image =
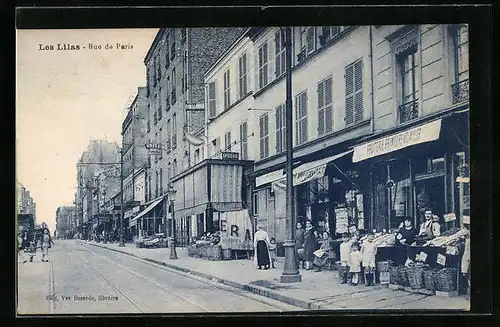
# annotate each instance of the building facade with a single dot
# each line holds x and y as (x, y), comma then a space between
(64, 218)
(175, 66)
(379, 116)
(25, 203)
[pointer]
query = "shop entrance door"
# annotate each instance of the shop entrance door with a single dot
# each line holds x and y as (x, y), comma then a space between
(199, 225)
(433, 186)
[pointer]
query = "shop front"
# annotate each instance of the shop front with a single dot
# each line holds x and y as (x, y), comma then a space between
(208, 195)
(421, 168)
(149, 221)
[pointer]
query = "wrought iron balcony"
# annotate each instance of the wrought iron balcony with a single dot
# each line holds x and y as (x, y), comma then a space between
(408, 111)
(460, 91)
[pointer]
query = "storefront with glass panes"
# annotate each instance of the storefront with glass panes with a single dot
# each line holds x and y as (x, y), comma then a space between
(424, 166)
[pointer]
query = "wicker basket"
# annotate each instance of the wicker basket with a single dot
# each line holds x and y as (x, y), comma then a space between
(416, 277)
(384, 266)
(429, 280)
(403, 276)
(394, 275)
(446, 279)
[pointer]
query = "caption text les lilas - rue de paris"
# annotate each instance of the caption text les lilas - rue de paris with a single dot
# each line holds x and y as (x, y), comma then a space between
(89, 46)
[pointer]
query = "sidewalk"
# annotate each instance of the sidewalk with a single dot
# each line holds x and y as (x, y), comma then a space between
(33, 286)
(317, 290)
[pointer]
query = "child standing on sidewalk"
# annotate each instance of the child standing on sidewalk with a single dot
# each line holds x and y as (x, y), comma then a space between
(368, 252)
(345, 252)
(272, 251)
(355, 263)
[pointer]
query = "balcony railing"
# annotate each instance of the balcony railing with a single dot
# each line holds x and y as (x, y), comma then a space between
(408, 111)
(460, 91)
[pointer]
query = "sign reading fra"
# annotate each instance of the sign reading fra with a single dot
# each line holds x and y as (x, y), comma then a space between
(236, 230)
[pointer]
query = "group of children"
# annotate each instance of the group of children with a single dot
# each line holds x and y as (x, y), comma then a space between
(355, 258)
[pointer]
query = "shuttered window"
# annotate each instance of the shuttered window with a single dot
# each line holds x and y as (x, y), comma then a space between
(280, 128)
(354, 92)
(264, 136)
(227, 141)
(280, 53)
(311, 39)
(244, 141)
(325, 108)
(301, 118)
(169, 133)
(242, 67)
(227, 91)
(211, 100)
(263, 66)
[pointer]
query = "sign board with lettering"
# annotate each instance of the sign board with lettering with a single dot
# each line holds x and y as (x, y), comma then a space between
(236, 230)
(451, 250)
(450, 217)
(422, 256)
(466, 220)
(421, 134)
(441, 259)
(230, 155)
(301, 177)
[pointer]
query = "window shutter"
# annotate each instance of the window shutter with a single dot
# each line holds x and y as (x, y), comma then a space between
(310, 39)
(349, 90)
(304, 118)
(358, 105)
(277, 57)
(358, 73)
(321, 111)
(278, 130)
(211, 99)
(328, 105)
(256, 64)
(297, 131)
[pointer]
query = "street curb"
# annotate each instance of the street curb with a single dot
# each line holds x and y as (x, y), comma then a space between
(251, 288)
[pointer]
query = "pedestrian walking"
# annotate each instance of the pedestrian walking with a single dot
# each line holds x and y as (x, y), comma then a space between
(345, 252)
(310, 244)
(368, 253)
(299, 243)
(262, 257)
(355, 263)
(46, 244)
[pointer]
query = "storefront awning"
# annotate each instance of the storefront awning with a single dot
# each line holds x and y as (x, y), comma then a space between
(413, 136)
(147, 210)
(308, 171)
(268, 178)
(196, 210)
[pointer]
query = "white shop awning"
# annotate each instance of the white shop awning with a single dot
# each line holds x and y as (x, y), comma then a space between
(308, 171)
(413, 136)
(268, 178)
(148, 209)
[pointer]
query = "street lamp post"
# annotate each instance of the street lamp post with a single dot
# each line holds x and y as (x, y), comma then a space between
(290, 272)
(171, 197)
(122, 244)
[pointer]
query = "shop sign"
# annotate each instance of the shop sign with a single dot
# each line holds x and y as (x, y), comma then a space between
(450, 217)
(385, 277)
(236, 229)
(463, 180)
(301, 177)
(229, 155)
(421, 134)
(441, 259)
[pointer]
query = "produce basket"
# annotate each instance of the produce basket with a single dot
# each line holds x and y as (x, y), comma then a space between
(446, 279)
(429, 280)
(394, 275)
(403, 276)
(384, 266)
(416, 277)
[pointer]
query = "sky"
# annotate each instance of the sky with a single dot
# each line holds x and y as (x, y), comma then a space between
(65, 98)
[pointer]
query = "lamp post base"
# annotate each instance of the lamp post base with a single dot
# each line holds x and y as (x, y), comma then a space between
(173, 253)
(290, 272)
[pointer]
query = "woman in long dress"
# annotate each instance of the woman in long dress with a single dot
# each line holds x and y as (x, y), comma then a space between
(46, 244)
(262, 257)
(310, 244)
(299, 243)
(326, 256)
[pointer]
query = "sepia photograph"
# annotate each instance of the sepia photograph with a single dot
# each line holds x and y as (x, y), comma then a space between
(243, 169)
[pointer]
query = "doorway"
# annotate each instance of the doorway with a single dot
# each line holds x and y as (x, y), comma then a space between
(433, 187)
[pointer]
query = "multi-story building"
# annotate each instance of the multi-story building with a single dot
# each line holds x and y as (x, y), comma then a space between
(175, 66)
(64, 217)
(135, 155)
(378, 122)
(101, 158)
(25, 203)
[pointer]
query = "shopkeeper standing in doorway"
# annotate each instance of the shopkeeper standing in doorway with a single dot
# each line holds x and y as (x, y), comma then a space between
(426, 227)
